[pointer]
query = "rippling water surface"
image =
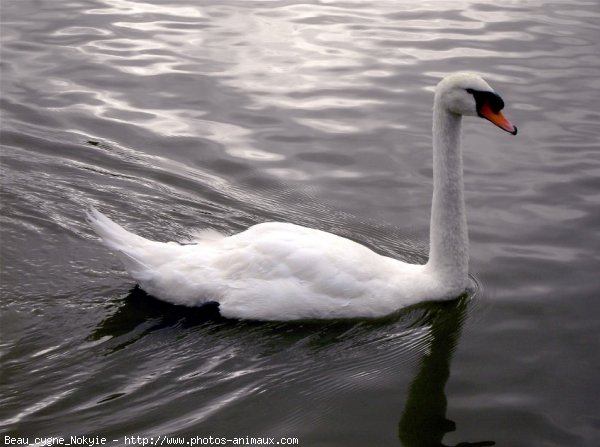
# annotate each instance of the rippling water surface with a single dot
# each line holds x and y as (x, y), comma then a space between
(171, 116)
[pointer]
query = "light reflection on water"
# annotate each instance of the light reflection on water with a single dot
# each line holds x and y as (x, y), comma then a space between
(174, 116)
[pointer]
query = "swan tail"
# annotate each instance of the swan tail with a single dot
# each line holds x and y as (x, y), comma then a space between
(132, 250)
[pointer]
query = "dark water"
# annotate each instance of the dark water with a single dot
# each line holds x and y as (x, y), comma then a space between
(173, 116)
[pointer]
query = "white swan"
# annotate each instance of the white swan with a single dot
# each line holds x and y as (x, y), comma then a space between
(282, 271)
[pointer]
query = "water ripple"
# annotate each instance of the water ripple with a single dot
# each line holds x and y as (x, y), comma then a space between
(177, 116)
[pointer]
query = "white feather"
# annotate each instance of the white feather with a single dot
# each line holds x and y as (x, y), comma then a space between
(281, 271)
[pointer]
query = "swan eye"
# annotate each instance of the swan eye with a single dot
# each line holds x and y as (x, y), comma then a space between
(470, 91)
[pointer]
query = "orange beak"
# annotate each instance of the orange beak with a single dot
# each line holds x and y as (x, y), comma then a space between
(497, 118)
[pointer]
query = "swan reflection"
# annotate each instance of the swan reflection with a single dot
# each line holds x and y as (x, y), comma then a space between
(139, 314)
(423, 422)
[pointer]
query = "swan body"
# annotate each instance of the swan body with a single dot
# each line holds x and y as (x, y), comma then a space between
(282, 271)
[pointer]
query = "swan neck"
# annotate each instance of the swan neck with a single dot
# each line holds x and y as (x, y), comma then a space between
(448, 255)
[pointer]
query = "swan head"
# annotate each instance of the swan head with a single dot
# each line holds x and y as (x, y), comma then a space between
(468, 94)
